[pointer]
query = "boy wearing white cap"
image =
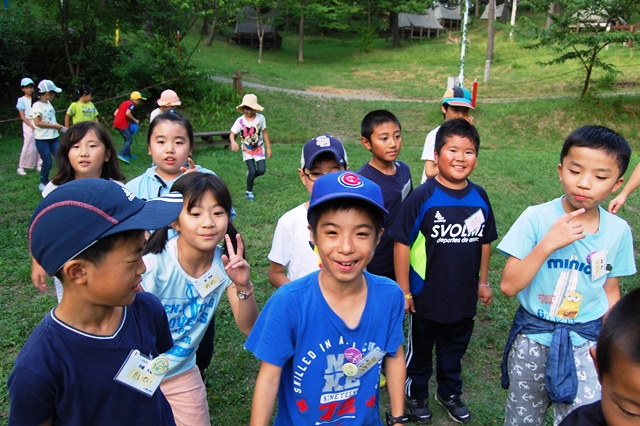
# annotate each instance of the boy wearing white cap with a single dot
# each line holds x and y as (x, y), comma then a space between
(94, 359)
(29, 158)
(252, 129)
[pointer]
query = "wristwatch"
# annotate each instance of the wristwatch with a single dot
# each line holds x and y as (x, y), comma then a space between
(397, 420)
(242, 295)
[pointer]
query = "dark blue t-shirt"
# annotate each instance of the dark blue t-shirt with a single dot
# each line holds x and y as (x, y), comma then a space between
(394, 191)
(446, 229)
(67, 375)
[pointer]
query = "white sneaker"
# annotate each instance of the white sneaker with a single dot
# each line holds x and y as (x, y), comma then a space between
(21, 171)
(41, 187)
(39, 168)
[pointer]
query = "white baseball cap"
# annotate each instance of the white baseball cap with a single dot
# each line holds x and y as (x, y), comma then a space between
(26, 81)
(48, 86)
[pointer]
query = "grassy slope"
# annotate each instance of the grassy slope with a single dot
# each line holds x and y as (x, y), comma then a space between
(520, 145)
(415, 70)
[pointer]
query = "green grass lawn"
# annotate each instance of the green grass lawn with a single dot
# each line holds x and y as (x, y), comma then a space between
(416, 70)
(517, 166)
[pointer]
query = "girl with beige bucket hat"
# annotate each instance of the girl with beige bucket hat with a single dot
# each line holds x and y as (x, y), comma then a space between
(252, 129)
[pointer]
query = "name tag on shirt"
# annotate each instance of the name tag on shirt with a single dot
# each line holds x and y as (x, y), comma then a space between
(209, 281)
(474, 221)
(142, 373)
(406, 189)
(598, 264)
(368, 361)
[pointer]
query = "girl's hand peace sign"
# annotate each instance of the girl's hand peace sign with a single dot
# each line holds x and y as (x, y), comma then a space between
(235, 265)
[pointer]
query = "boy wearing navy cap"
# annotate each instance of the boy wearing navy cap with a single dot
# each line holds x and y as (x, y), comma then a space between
(94, 359)
(322, 357)
(292, 254)
(456, 103)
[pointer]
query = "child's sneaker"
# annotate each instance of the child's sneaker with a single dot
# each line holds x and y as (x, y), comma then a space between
(41, 187)
(123, 159)
(419, 409)
(21, 171)
(39, 168)
(455, 407)
(250, 196)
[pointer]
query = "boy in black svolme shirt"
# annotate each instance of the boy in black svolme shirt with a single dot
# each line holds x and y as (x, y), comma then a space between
(382, 135)
(449, 221)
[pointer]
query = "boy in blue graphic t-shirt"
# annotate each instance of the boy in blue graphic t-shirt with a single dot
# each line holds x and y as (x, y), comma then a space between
(565, 260)
(322, 357)
(442, 246)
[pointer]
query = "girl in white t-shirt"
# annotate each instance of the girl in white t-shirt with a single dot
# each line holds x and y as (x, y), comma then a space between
(46, 128)
(86, 151)
(252, 129)
(189, 274)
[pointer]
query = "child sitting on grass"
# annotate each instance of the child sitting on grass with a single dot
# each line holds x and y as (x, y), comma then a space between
(322, 339)
(82, 364)
(565, 260)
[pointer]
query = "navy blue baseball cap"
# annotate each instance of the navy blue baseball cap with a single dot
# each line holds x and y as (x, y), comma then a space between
(323, 143)
(346, 185)
(83, 211)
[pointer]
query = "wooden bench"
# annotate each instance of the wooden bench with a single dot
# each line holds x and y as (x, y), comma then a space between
(219, 138)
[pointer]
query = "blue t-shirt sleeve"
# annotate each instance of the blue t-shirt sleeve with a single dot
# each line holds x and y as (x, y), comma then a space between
(522, 236)
(272, 338)
(20, 106)
(32, 398)
(396, 330)
(625, 263)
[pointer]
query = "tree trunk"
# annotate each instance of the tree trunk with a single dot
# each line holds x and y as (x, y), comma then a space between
(477, 9)
(212, 33)
(506, 11)
(491, 32)
(301, 33)
(393, 21)
(514, 8)
(64, 25)
(552, 10)
(205, 26)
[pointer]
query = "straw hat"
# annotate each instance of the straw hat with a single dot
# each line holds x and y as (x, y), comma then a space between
(169, 98)
(250, 101)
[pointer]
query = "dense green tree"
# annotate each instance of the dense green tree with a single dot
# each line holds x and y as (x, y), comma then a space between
(579, 30)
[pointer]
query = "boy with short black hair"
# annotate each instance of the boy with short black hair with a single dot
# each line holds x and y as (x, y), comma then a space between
(382, 135)
(456, 103)
(617, 361)
(322, 338)
(565, 260)
(291, 249)
(442, 247)
(94, 359)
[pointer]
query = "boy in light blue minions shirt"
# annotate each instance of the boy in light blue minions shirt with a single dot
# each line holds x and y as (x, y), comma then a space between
(565, 260)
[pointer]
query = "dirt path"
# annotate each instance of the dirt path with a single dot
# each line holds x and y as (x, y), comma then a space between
(363, 96)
